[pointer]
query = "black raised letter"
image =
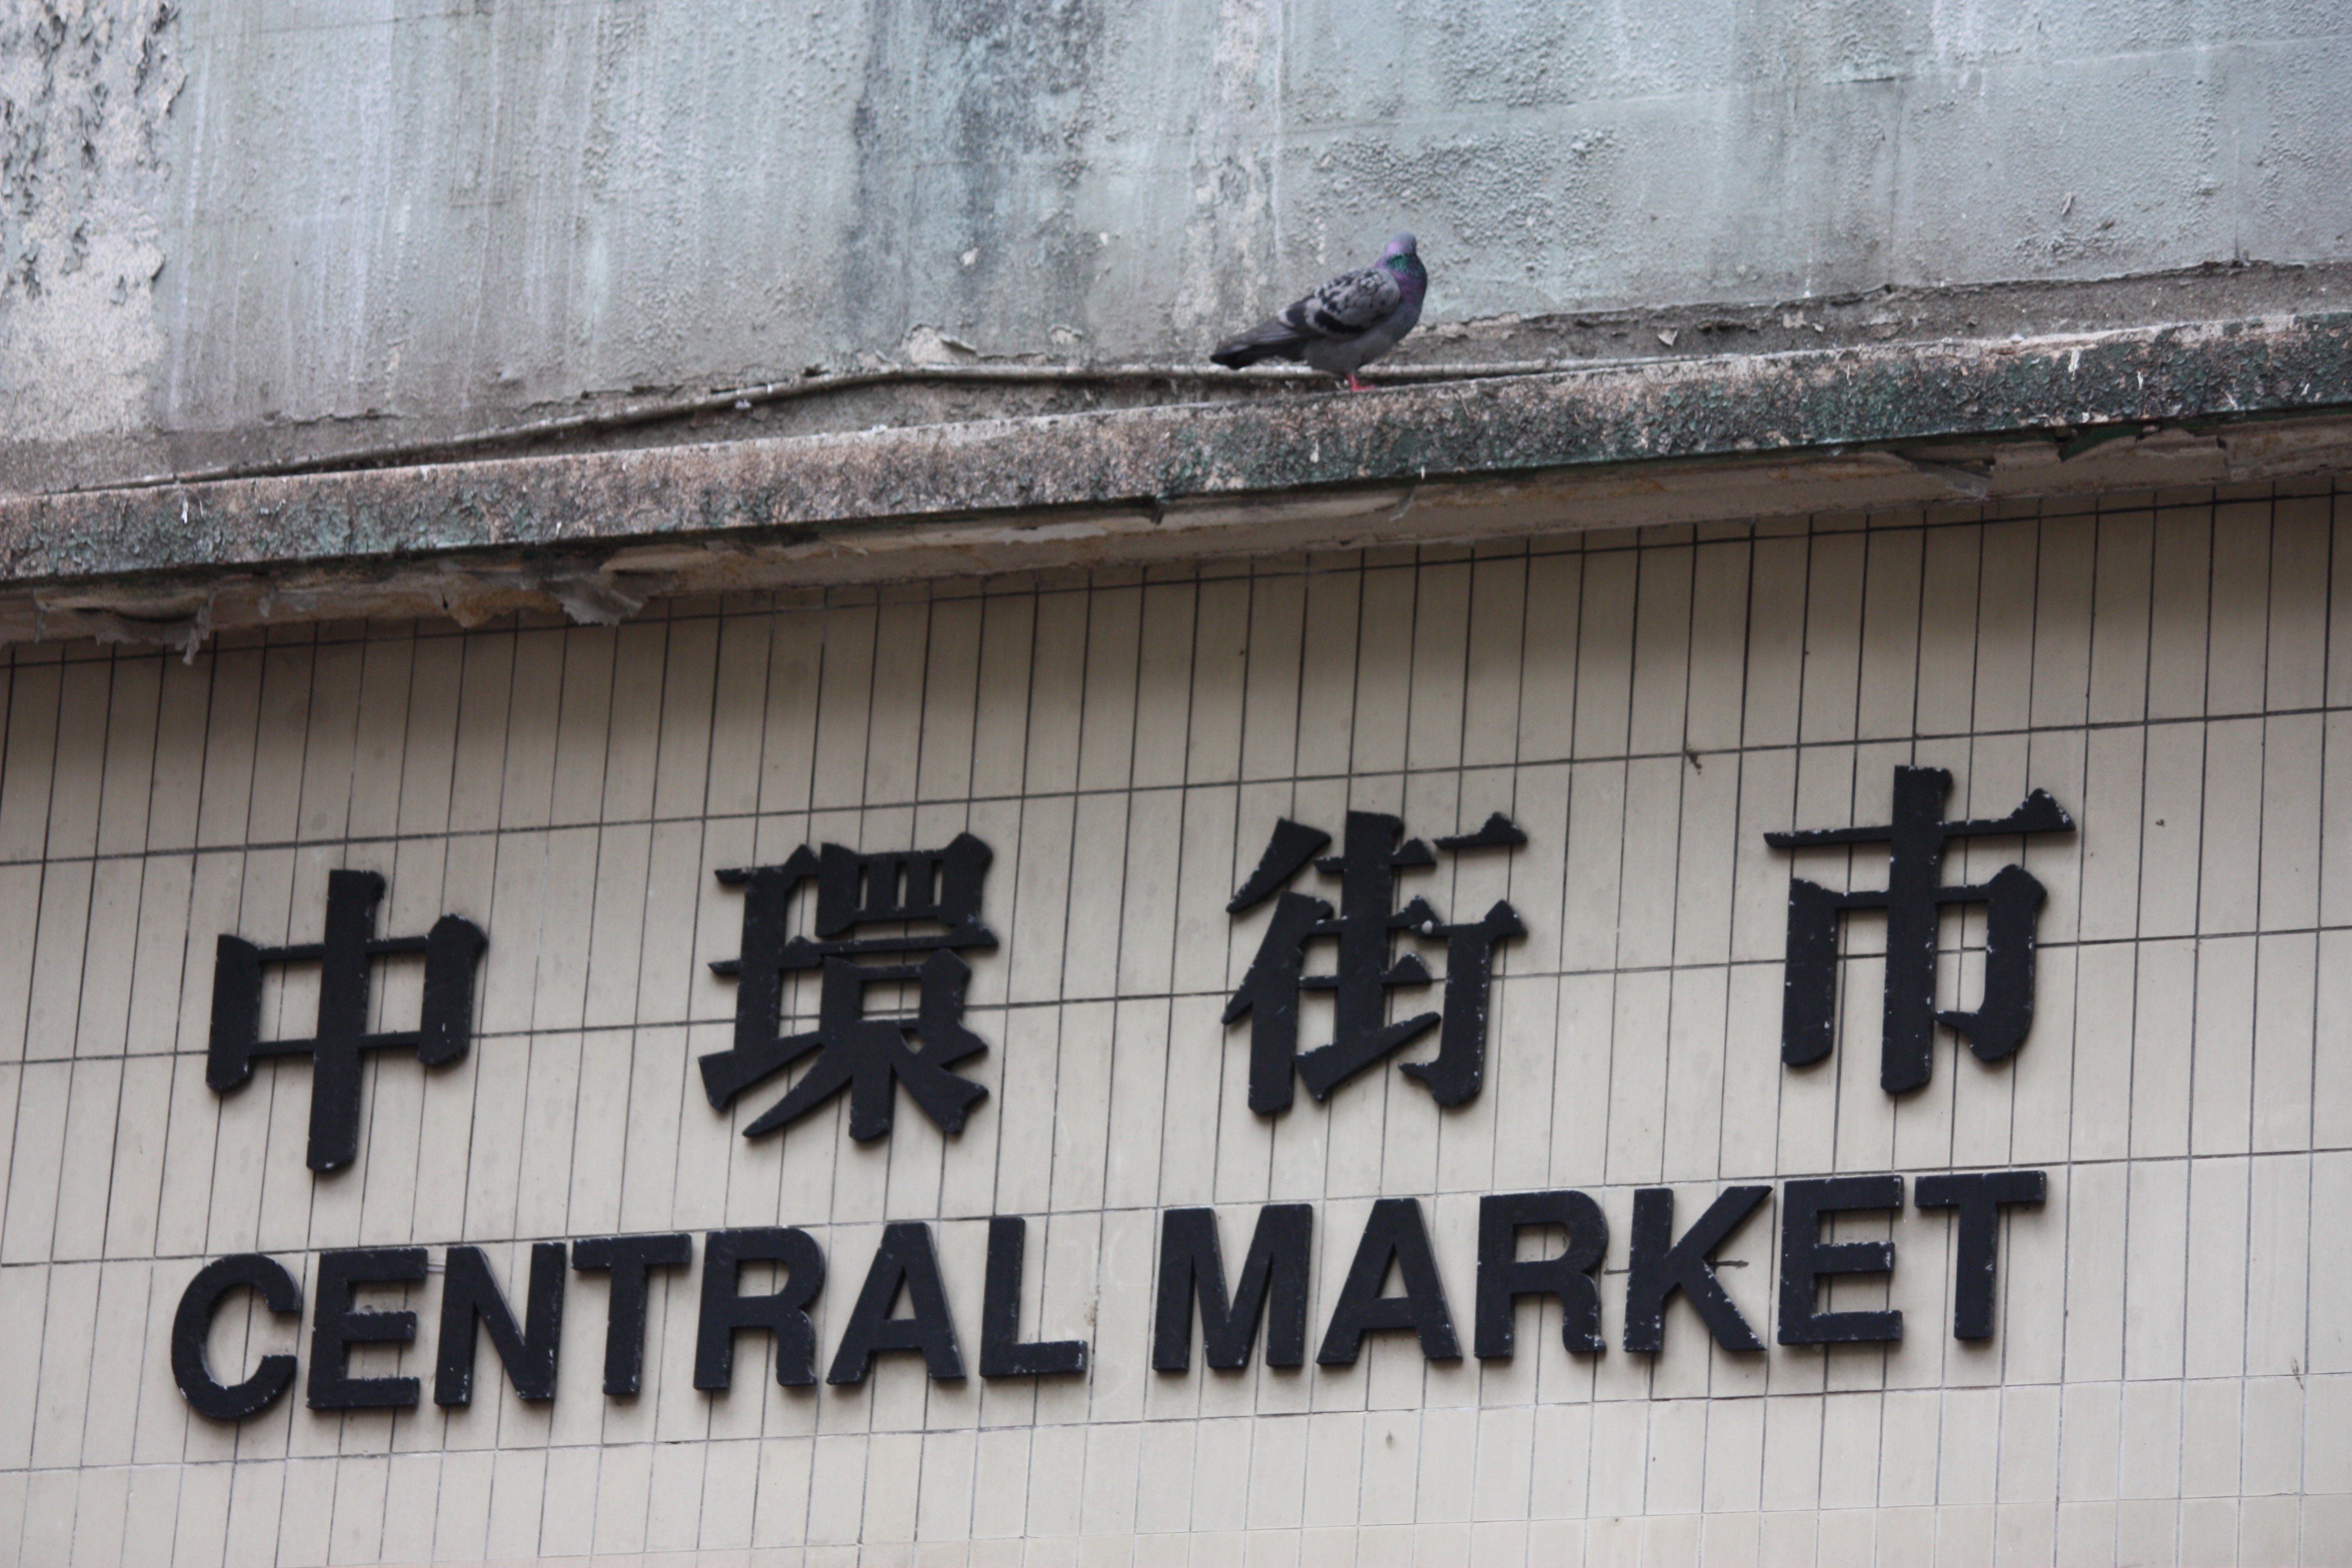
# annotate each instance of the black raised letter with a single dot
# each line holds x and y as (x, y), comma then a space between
(629, 1260)
(1914, 898)
(1805, 1257)
(1003, 1352)
(192, 1325)
(1503, 1278)
(1273, 1283)
(1366, 968)
(1979, 1198)
(904, 1259)
(469, 1296)
(336, 1327)
(784, 1313)
(339, 1041)
(865, 1055)
(1662, 1266)
(1393, 1234)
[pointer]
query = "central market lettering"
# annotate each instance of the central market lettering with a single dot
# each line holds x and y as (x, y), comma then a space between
(1267, 1295)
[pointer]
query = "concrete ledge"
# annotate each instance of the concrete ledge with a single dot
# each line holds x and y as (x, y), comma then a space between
(1664, 441)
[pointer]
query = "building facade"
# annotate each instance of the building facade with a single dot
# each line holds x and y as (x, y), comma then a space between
(2161, 1373)
(702, 861)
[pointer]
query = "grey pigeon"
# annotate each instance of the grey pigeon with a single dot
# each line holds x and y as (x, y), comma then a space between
(1346, 324)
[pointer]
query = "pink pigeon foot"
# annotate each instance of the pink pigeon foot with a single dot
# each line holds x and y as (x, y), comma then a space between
(1354, 386)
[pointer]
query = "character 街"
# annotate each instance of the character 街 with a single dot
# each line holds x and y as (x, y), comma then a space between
(1365, 928)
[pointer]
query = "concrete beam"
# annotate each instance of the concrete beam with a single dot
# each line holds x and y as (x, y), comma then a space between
(1664, 441)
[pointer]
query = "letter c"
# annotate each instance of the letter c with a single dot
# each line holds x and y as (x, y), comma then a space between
(193, 1325)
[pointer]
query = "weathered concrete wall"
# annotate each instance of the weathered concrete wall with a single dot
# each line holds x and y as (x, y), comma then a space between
(225, 217)
(86, 95)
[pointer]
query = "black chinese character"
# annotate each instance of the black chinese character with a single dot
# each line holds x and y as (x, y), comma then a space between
(1365, 928)
(446, 1021)
(866, 1055)
(1913, 896)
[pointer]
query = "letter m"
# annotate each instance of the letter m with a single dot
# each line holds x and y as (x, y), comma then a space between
(1273, 1285)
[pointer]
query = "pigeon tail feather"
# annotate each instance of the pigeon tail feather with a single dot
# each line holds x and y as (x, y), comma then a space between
(1272, 339)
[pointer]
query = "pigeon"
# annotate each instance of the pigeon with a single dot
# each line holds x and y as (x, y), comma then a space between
(1346, 324)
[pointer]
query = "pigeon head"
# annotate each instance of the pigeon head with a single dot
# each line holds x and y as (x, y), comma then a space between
(1402, 262)
(1403, 258)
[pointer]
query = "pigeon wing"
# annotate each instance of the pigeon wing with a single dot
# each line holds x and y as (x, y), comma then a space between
(1344, 309)
(1351, 304)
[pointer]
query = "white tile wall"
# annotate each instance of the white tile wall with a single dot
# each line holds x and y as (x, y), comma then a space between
(2172, 1376)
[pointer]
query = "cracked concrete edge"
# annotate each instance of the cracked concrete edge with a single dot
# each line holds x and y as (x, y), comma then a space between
(598, 533)
(715, 409)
